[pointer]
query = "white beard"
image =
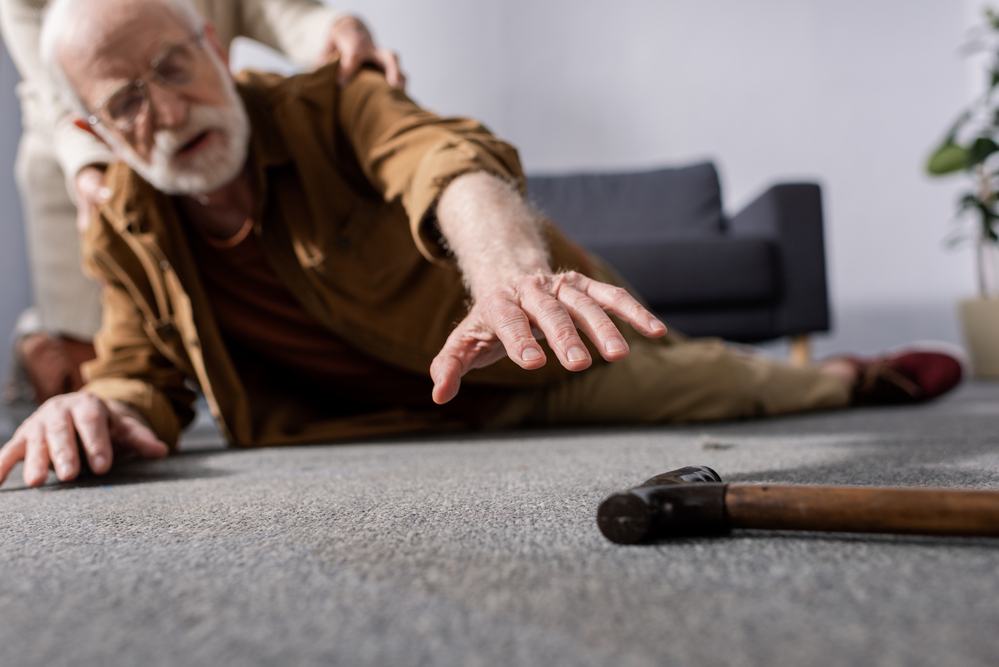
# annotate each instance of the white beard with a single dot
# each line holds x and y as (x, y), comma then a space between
(207, 171)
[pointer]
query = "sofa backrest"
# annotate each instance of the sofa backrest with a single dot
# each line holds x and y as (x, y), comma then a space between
(595, 209)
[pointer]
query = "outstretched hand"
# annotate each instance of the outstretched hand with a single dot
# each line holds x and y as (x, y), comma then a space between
(553, 306)
(50, 435)
(352, 40)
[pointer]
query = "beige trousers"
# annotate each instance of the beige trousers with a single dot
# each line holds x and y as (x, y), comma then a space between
(67, 301)
(681, 381)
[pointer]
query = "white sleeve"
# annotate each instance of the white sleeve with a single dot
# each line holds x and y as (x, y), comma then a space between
(42, 109)
(297, 28)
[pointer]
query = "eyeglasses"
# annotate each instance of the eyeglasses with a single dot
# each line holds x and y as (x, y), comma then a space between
(175, 68)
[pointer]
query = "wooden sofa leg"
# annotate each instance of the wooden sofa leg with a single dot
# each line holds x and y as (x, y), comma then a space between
(800, 354)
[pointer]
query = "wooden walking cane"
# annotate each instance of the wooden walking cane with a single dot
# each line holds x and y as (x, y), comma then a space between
(694, 501)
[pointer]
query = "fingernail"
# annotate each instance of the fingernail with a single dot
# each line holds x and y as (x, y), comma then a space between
(576, 354)
(614, 345)
(656, 325)
(104, 193)
(62, 469)
(100, 461)
(530, 354)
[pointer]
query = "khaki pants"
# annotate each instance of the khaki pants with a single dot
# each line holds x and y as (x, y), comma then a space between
(67, 301)
(680, 381)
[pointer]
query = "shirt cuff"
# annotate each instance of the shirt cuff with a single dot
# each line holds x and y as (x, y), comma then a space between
(144, 399)
(76, 149)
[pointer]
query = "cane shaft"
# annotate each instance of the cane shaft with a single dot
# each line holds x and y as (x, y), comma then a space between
(863, 510)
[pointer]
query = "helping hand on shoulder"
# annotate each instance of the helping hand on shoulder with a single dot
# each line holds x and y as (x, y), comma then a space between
(50, 436)
(352, 40)
(91, 192)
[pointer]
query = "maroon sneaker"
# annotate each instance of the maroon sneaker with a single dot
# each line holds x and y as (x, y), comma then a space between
(908, 376)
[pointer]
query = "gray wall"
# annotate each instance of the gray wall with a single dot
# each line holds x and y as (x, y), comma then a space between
(14, 285)
(849, 93)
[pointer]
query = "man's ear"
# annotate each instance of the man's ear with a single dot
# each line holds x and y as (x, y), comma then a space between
(85, 126)
(215, 43)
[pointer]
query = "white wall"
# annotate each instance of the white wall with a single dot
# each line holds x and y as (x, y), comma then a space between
(852, 94)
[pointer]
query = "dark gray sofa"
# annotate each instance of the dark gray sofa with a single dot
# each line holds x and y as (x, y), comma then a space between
(756, 276)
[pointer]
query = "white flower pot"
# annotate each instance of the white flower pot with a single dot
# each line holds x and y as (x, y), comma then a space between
(980, 318)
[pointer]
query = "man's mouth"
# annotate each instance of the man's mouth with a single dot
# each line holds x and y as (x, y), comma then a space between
(194, 144)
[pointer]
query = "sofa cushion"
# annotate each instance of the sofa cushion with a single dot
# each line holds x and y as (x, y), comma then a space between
(689, 273)
(643, 206)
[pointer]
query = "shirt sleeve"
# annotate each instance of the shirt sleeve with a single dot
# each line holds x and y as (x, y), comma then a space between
(129, 367)
(412, 154)
(42, 108)
(297, 28)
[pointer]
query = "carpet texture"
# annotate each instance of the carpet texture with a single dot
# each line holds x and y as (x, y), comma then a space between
(482, 549)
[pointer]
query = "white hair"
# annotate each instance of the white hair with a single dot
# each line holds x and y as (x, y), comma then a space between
(61, 20)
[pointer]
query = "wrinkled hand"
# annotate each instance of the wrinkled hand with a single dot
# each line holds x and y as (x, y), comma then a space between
(91, 192)
(350, 38)
(49, 436)
(503, 324)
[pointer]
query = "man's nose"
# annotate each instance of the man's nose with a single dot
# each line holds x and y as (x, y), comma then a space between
(169, 109)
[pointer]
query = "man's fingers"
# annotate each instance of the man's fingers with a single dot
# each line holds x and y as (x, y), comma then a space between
(131, 433)
(60, 435)
(594, 322)
(389, 62)
(91, 420)
(350, 62)
(356, 47)
(446, 372)
(617, 300)
(36, 458)
(469, 346)
(560, 331)
(513, 328)
(10, 454)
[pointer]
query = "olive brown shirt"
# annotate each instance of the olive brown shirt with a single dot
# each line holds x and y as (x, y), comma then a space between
(348, 179)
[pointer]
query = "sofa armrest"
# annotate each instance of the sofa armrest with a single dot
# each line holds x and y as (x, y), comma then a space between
(790, 215)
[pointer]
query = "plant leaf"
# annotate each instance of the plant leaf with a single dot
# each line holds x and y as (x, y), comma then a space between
(969, 201)
(992, 18)
(981, 150)
(947, 159)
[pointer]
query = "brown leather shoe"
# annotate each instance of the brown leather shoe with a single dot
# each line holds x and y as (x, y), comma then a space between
(910, 376)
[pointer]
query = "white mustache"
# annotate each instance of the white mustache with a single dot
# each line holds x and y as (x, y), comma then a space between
(200, 118)
(205, 170)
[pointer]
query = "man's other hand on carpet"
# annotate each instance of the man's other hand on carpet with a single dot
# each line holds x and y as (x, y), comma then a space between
(51, 435)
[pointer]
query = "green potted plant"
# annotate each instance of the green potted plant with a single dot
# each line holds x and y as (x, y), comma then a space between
(970, 147)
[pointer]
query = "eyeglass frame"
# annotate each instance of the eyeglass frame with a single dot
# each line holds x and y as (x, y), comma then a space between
(142, 82)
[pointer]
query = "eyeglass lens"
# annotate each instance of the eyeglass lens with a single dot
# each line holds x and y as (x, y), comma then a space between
(174, 68)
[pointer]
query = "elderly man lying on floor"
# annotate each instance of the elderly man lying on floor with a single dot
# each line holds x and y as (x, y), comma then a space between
(302, 253)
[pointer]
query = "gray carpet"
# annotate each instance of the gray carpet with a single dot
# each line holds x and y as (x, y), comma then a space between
(483, 550)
